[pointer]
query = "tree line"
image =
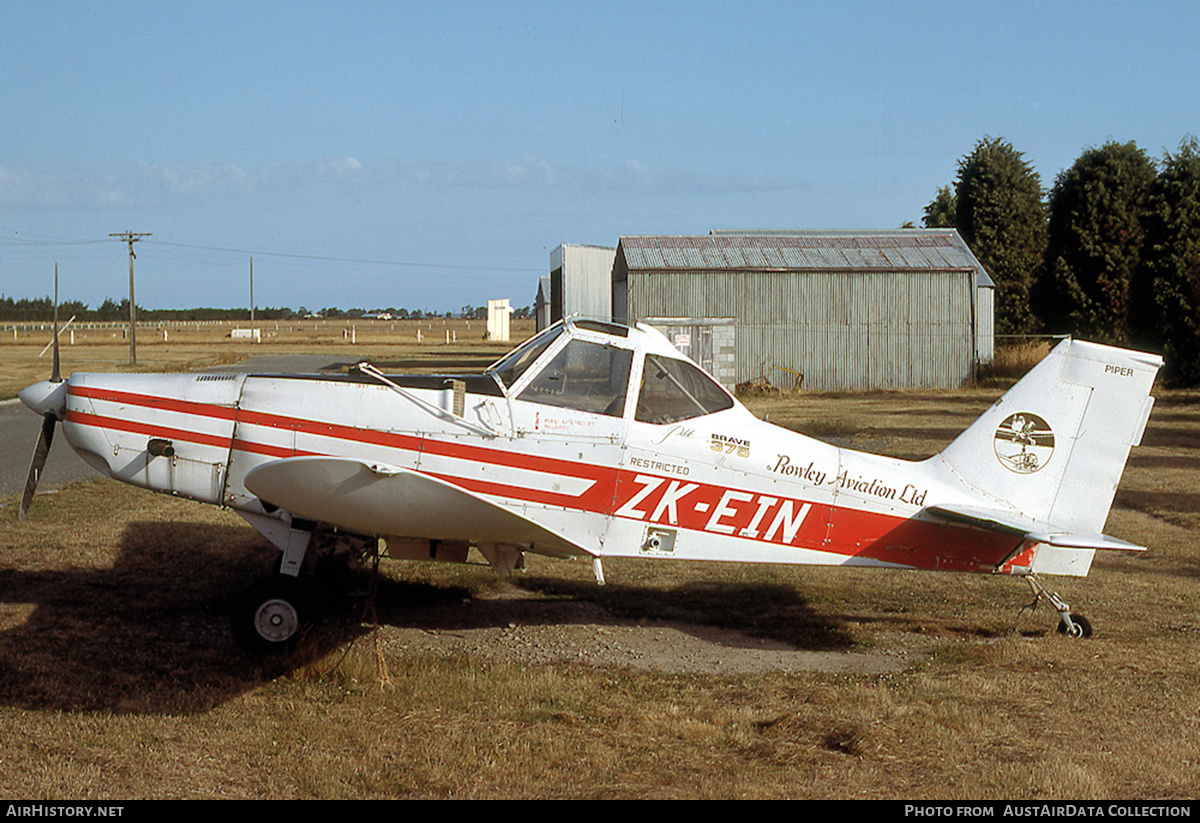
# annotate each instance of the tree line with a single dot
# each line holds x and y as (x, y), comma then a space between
(41, 310)
(1110, 253)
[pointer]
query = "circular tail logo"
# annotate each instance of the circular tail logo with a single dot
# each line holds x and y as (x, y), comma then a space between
(1024, 443)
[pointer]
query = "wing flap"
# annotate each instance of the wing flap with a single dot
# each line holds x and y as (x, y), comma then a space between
(998, 520)
(381, 499)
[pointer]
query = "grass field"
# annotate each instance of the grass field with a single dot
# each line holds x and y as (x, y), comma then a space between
(415, 344)
(119, 679)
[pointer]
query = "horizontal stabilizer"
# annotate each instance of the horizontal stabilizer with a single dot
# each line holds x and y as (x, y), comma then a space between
(1027, 528)
(380, 499)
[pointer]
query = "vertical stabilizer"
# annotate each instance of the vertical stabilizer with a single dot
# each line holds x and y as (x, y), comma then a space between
(1055, 445)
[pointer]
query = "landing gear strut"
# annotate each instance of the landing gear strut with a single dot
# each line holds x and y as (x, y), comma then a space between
(1072, 625)
(312, 578)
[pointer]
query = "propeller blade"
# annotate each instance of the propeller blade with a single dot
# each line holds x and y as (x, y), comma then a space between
(40, 451)
(55, 376)
(49, 418)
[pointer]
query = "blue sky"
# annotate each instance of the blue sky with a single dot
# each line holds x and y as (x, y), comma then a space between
(430, 155)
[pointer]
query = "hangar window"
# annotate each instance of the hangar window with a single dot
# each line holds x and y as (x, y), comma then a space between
(588, 377)
(674, 390)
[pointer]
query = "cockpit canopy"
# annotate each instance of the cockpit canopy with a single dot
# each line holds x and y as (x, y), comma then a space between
(591, 366)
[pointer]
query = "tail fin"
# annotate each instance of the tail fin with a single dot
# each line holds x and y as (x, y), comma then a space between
(1055, 445)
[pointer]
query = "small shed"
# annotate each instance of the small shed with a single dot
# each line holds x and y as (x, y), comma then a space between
(541, 304)
(581, 281)
(498, 316)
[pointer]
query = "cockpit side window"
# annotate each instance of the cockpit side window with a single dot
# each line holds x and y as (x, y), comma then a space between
(514, 364)
(674, 390)
(585, 376)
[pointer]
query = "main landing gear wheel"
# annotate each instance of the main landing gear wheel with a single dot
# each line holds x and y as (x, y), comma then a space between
(1080, 627)
(269, 615)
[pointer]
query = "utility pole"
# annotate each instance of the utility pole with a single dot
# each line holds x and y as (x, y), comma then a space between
(131, 238)
(252, 295)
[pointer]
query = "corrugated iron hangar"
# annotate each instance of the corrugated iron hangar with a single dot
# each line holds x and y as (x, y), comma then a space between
(905, 308)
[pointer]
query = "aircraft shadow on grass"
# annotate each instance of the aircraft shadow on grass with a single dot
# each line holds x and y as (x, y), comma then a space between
(151, 633)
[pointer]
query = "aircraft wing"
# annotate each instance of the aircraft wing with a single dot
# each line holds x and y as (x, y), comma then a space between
(380, 499)
(998, 520)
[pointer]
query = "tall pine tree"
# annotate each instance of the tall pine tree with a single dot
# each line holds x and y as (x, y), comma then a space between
(1166, 302)
(941, 213)
(1095, 242)
(1001, 214)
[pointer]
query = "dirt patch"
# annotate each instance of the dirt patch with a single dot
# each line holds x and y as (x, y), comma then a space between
(514, 629)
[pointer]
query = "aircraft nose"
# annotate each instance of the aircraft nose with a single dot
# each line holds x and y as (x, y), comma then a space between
(46, 396)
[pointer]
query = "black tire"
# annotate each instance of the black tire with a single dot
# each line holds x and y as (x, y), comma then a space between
(270, 615)
(1083, 626)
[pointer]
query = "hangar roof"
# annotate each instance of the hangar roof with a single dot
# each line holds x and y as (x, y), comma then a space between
(804, 250)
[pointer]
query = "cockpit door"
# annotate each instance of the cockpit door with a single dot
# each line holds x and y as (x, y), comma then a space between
(570, 418)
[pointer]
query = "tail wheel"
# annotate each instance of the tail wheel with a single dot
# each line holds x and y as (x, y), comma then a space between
(1072, 625)
(1082, 627)
(270, 615)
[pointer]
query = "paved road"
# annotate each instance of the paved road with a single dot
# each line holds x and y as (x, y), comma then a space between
(18, 435)
(19, 427)
(288, 364)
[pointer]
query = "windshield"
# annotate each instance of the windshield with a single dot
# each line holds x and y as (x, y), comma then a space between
(510, 368)
(585, 376)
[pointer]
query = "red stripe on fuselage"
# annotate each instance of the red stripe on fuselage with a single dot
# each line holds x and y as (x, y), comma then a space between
(148, 429)
(338, 431)
(170, 404)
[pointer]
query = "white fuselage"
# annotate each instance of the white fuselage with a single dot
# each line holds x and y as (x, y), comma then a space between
(599, 440)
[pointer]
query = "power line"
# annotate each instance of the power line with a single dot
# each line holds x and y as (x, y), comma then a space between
(360, 261)
(36, 240)
(18, 244)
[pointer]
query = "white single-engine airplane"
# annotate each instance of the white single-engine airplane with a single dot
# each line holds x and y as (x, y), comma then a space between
(597, 440)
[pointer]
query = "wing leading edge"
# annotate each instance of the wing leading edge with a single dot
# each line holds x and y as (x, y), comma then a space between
(381, 499)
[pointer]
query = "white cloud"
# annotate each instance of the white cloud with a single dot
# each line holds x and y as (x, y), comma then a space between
(199, 179)
(343, 168)
(486, 173)
(34, 190)
(630, 175)
(161, 184)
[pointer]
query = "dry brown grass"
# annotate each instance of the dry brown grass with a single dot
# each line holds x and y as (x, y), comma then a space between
(118, 677)
(1012, 360)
